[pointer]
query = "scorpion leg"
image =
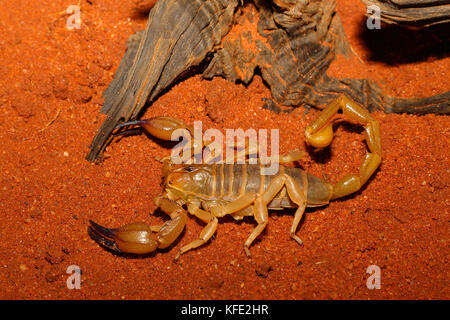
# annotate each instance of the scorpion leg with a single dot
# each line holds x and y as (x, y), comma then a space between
(234, 206)
(140, 238)
(261, 212)
(262, 218)
(205, 234)
(292, 156)
(298, 196)
(320, 133)
(172, 228)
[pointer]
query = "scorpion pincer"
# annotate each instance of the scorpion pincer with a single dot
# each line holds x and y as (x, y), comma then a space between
(211, 191)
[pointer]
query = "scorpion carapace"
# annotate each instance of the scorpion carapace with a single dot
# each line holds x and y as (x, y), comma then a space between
(211, 191)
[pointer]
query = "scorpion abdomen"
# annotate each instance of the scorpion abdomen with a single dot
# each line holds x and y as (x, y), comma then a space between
(230, 181)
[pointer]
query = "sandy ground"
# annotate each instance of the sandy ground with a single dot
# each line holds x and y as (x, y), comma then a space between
(51, 81)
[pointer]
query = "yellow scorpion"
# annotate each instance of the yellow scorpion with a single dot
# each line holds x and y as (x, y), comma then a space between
(210, 191)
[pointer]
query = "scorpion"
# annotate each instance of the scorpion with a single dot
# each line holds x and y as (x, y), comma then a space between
(211, 191)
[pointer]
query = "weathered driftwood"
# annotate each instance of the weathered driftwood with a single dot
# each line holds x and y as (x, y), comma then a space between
(178, 36)
(297, 41)
(413, 12)
(299, 44)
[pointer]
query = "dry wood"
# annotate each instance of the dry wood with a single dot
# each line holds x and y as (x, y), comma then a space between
(178, 36)
(294, 58)
(297, 42)
(413, 12)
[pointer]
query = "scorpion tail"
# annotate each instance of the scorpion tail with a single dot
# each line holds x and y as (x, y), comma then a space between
(320, 133)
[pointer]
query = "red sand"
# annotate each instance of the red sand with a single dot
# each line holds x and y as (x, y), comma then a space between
(51, 81)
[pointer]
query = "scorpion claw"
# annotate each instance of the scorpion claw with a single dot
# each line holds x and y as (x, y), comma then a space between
(98, 233)
(159, 127)
(137, 238)
(130, 123)
(99, 230)
(140, 238)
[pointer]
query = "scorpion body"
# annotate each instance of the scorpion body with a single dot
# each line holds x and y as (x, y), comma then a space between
(224, 183)
(211, 191)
